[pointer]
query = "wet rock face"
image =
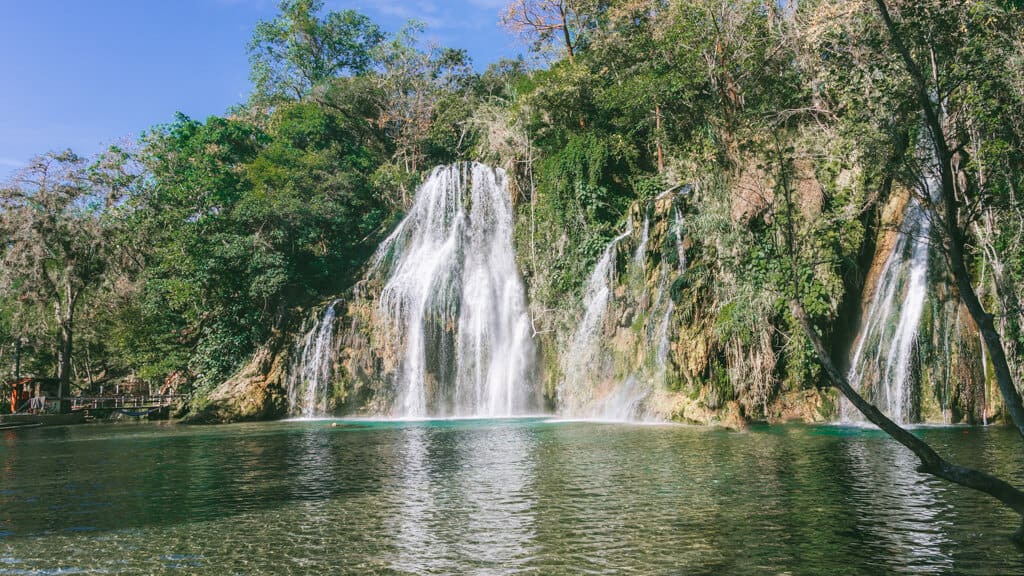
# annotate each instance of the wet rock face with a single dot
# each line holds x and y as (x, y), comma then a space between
(645, 343)
(629, 354)
(803, 406)
(943, 377)
(950, 384)
(888, 233)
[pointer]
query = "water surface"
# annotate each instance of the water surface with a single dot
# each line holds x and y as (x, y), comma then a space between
(529, 496)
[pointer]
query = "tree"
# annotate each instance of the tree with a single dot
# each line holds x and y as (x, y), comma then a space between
(297, 51)
(57, 245)
(801, 260)
(424, 94)
(956, 64)
(544, 21)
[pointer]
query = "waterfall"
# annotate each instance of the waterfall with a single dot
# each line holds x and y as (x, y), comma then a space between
(601, 379)
(309, 380)
(581, 360)
(641, 249)
(882, 361)
(453, 304)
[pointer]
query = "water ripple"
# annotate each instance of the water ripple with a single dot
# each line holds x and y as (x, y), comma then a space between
(496, 497)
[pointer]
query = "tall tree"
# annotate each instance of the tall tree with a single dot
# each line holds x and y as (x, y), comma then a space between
(57, 245)
(413, 83)
(551, 21)
(245, 223)
(299, 50)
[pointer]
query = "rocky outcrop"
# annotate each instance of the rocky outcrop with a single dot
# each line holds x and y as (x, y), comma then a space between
(811, 405)
(662, 353)
(753, 193)
(256, 392)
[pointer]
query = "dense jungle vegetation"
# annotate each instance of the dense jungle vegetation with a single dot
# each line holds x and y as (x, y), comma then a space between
(169, 261)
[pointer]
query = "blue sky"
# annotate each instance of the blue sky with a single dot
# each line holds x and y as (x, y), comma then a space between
(83, 74)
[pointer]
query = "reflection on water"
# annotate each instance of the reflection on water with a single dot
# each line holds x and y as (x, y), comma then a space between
(905, 519)
(464, 494)
(416, 520)
(495, 497)
(494, 485)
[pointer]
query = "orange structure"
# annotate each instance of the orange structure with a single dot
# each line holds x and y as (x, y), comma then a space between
(26, 388)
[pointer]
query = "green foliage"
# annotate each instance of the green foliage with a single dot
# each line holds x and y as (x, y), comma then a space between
(247, 222)
(584, 177)
(224, 226)
(298, 51)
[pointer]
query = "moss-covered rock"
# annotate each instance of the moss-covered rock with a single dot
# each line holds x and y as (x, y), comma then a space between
(256, 392)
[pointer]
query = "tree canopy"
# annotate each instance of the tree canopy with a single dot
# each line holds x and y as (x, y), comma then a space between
(299, 50)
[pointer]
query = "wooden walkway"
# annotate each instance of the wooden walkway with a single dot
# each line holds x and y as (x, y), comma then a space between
(124, 401)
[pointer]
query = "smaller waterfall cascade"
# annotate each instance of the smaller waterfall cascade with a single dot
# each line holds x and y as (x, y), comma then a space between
(664, 297)
(679, 225)
(645, 237)
(454, 303)
(309, 379)
(633, 309)
(882, 361)
(663, 336)
(584, 355)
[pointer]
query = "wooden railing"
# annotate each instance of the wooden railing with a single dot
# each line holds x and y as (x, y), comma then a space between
(124, 401)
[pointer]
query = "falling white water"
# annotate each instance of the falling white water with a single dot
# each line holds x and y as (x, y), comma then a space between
(680, 247)
(663, 337)
(662, 312)
(309, 380)
(595, 301)
(454, 302)
(882, 359)
(641, 249)
(591, 387)
(663, 333)
(580, 363)
(625, 402)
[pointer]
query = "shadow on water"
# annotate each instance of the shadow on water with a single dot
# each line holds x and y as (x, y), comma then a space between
(113, 477)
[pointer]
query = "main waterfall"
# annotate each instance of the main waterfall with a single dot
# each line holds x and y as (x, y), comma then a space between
(438, 326)
(453, 305)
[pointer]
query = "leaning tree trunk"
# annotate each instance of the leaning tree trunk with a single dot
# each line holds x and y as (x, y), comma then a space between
(931, 462)
(954, 235)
